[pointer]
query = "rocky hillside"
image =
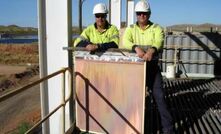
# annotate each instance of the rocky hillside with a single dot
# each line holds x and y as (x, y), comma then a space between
(17, 30)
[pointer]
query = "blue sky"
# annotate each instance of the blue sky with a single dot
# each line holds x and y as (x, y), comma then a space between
(164, 12)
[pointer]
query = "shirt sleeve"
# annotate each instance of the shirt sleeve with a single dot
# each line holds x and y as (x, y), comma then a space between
(82, 37)
(106, 46)
(115, 36)
(158, 38)
(128, 41)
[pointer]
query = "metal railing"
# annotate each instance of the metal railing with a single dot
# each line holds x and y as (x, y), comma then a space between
(63, 100)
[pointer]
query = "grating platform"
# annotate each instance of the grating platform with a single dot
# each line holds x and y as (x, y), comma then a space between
(195, 106)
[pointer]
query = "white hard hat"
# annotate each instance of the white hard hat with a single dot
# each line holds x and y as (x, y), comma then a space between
(142, 6)
(100, 8)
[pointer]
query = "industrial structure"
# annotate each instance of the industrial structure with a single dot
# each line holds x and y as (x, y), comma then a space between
(195, 104)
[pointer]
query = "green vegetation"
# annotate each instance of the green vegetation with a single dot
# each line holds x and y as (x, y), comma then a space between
(18, 54)
(16, 30)
(23, 127)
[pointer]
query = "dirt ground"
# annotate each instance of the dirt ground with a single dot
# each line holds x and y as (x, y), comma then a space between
(9, 69)
(15, 72)
(20, 109)
(14, 76)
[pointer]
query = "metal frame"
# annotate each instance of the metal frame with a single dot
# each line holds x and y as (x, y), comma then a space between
(63, 101)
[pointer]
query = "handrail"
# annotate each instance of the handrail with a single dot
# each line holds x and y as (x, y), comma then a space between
(14, 92)
(63, 101)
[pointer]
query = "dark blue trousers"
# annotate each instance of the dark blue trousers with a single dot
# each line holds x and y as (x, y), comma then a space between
(154, 83)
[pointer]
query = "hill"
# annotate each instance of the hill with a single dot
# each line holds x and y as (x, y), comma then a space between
(17, 30)
(14, 29)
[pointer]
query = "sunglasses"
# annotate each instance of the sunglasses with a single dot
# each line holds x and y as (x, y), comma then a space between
(143, 13)
(100, 15)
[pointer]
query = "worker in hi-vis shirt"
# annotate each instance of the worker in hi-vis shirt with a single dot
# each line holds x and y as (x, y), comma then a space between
(101, 35)
(146, 39)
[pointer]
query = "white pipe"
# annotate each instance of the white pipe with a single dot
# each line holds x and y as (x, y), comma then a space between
(130, 12)
(43, 62)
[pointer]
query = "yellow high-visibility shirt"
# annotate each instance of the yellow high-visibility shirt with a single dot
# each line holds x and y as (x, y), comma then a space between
(91, 34)
(152, 36)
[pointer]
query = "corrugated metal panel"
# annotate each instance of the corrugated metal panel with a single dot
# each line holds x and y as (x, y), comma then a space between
(196, 52)
(185, 53)
(168, 53)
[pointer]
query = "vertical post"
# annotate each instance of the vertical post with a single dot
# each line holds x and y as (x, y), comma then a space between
(80, 15)
(217, 29)
(187, 29)
(191, 29)
(58, 31)
(43, 62)
(116, 13)
(130, 12)
(211, 29)
(109, 11)
(71, 92)
(63, 102)
(70, 62)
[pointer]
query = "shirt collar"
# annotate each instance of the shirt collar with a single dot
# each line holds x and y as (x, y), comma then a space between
(107, 25)
(149, 23)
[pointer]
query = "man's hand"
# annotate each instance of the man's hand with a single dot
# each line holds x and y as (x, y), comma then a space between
(91, 47)
(139, 52)
(149, 54)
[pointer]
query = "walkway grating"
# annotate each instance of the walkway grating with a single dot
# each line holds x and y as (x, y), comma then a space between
(195, 105)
